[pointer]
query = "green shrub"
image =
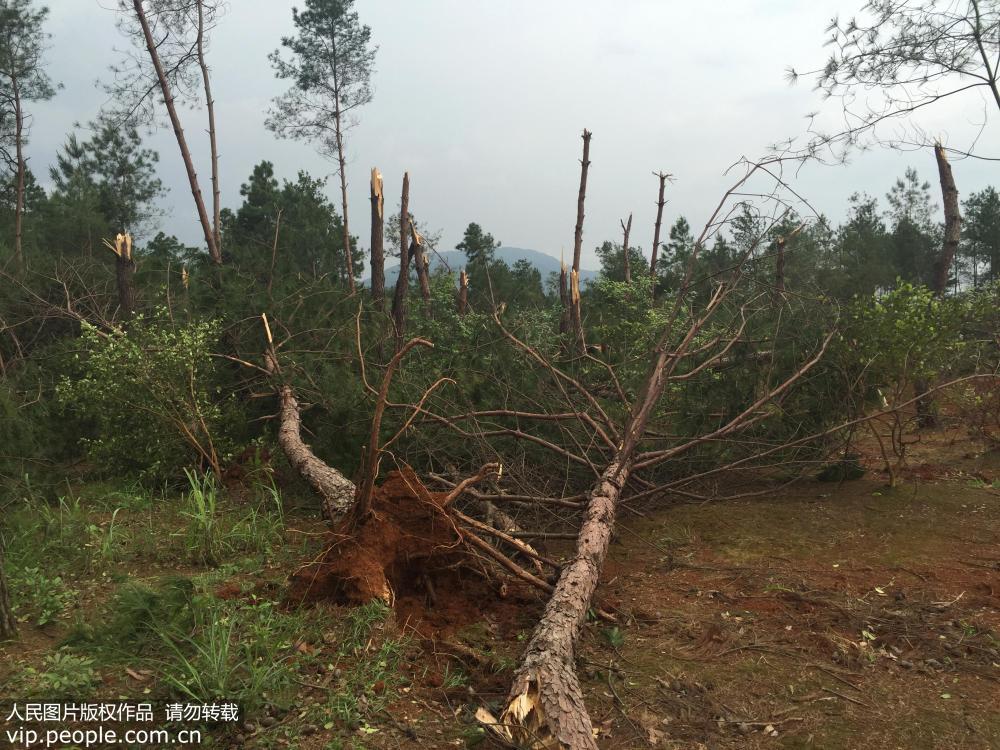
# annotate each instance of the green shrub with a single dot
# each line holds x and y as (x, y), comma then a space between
(65, 675)
(39, 598)
(149, 395)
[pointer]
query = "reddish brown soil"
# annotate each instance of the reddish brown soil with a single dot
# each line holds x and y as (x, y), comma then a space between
(410, 554)
(834, 616)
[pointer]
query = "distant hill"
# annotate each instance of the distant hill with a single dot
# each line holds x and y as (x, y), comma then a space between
(455, 260)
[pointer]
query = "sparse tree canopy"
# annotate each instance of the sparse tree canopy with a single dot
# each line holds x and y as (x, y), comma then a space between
(330, 69)
(180, 27)
(898, 57)
(22, 42)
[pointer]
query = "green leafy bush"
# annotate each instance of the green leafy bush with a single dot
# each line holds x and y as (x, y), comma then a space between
(148, 393)
(65, 675)
(38, 597)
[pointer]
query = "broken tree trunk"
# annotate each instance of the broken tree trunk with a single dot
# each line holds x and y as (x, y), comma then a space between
(780, 245)
(336, 491)
(378, 236)
(168, 100)
(779, 266)
(124, 273)
(660, 202)
(578, 233)
(403, 279)
(575, 319)
(626, 230)
(926, 410)
(564, 297)
(952, 222)
(576, 315)
(420, 263)
(546, 708)
(463, 292)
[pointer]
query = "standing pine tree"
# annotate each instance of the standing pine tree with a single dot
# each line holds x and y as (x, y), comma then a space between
(330, 69)
(479, 248)
(22, 42)
(982, 235)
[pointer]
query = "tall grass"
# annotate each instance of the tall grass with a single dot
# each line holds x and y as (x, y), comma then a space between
(201, 509)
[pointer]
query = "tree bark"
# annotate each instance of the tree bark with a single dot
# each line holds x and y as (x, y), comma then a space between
(779, 266)
(124, 273)
(19, 150)
(578, 233)
(212, 140)
(336, 491)
(952, 222)
(925, 406)
(378, 239)
(546, 703)
(8, 625)
(463, 292)
(125, 277)
(403, 280)
(626, 230)
(660, 202)
(576, 315)
(564, 319)
(575, 318)
(341, 160)
(168, 100)
(420, 263)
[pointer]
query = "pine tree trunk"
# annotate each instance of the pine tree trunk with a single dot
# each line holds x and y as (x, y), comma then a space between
(575, 317)
(564, 298)
(420, 264)
(545, 702)
(463, 292)
(168, 100)
(348, 260)
(575, 313)
(926, 408)
(19, 198)
(125, 276)
(403, 280)
(8, 625)
(660, 202)
(336, 491)
(378, 239)
(626, 259)
(578, 233)
(779, 266)
(212, 140)
(952, 223)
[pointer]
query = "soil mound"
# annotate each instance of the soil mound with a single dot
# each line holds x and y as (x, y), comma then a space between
(410, 555)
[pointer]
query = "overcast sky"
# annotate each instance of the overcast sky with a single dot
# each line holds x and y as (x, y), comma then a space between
(483, 102)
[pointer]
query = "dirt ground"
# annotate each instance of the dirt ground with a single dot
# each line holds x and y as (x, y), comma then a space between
(827, 616)
(833, 616)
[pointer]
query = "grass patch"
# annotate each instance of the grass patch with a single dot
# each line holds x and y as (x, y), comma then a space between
(198, 647)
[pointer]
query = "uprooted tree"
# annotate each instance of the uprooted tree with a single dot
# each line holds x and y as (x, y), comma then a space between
(604, 418)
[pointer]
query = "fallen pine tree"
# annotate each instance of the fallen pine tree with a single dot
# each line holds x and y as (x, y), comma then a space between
(400, 536)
